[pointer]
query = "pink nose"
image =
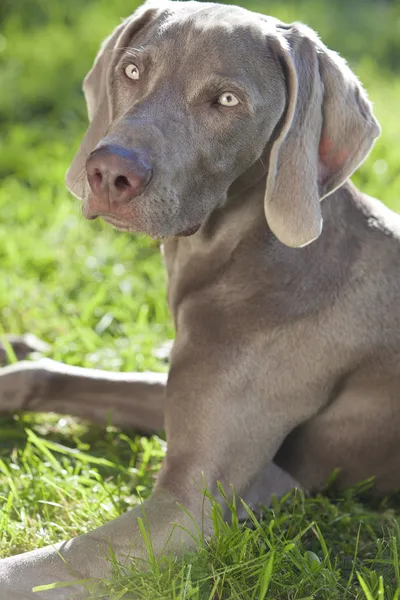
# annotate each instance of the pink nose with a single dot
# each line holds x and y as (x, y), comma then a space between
(116, 176)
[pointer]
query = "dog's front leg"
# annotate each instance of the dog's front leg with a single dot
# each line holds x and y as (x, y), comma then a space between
(221, 426)
(127, 399)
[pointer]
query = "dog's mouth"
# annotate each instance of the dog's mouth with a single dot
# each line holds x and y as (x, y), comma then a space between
(189, 232)
(131, 220)
(123, 226)
(115, 222)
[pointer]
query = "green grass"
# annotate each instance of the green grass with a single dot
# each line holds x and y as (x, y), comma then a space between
(98, 297)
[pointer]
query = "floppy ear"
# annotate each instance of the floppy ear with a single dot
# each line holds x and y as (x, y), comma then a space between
(96, 87)
(327, 131)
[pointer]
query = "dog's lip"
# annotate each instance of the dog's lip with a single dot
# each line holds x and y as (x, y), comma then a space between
(110, 218)
(189, 231)
(123, 222)
(115, 222)
(122, 225)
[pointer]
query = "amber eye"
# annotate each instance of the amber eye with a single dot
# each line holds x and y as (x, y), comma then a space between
(132, 72)
(228, 99)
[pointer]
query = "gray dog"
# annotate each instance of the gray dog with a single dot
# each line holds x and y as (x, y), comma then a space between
(220, 131)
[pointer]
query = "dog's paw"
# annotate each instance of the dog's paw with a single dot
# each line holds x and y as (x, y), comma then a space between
(20, 575)
(21, 347)
(20, 384)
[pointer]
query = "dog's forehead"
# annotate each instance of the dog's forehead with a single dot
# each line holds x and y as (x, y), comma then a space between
(207, 32)
(207, 19)
(207, 15)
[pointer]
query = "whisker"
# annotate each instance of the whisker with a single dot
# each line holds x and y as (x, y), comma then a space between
(262, 162)
(80, 178)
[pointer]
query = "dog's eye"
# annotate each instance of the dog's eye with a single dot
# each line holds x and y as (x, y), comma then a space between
(132, 72)
(228, 99)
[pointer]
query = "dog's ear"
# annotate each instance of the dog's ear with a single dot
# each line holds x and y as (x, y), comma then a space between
(327, 130)
(96, 87)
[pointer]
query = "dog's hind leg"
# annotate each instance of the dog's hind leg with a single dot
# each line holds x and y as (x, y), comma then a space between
(127, 399)
(271, 481)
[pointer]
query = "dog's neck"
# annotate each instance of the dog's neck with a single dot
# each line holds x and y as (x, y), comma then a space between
(238, 234)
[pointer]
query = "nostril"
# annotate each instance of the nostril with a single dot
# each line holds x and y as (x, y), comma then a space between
(116, 174)
(96, 179)
(121, 182)
(97, 176)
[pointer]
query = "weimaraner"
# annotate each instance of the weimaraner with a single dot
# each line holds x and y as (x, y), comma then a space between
(220, 131)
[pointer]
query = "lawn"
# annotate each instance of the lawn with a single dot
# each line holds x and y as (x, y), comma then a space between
(98, 298)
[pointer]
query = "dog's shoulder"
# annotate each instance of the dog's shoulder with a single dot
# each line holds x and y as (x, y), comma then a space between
(364, 215)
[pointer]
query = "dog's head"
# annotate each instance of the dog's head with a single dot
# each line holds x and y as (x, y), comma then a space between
(185, 97)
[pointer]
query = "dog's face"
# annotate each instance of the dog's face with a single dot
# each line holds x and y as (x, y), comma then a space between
(185, 98)
(188, 96)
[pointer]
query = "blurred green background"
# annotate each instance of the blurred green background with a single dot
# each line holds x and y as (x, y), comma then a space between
(97, 295)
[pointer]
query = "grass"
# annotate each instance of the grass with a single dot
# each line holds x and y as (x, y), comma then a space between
(98, 297)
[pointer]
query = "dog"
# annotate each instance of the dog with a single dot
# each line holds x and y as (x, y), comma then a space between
(232, 136)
